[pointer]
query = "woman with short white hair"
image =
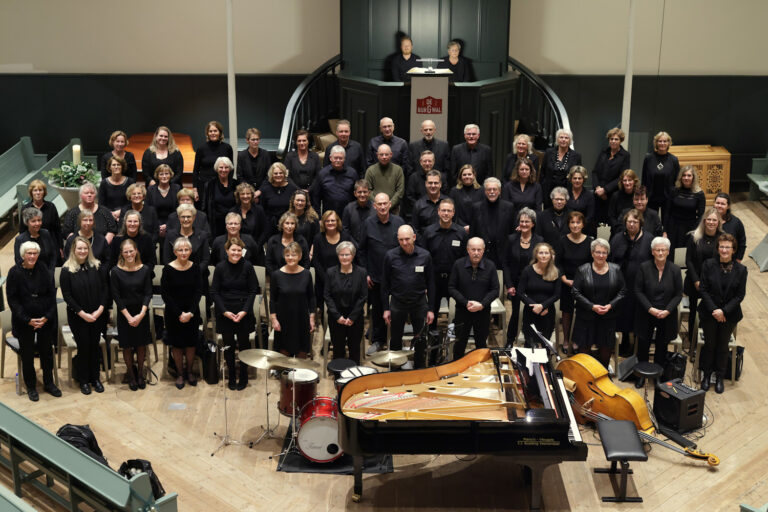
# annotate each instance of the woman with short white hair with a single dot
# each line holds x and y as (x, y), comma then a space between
(558, 160)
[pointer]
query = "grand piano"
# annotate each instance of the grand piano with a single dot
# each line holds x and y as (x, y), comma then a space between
(491, 401)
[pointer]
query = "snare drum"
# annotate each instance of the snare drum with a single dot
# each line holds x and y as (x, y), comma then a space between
(350, 373)
(306, 389)
(318, 438)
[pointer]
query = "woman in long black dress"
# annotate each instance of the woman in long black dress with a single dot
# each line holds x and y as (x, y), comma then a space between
(465, 194)
(292, 305)
(345, 294)
(557, 162)
(219, 195)
(137, 193)
(658, 289)
(207, 155)
(308, 218)
(277, 243)
(684, 208)
(37, 191)
(118, 141)
(181, 287)
(660, 169)
(162, 151)
(49, 249)
(522, 189)
(539, 289)
(731, 224)
(629, 249)
(324, 255)
(85, 287)
(275, 193)
(132, 291)
(598, 289)
(700, 246)
(518, 255)
(84, 228)
(611, 162)
(32, 300)
(113, 189)
(233, 290)
(133, 229)
(580, 199)
(723, 287)
(574, 251)
(162, 197)
(303, 164)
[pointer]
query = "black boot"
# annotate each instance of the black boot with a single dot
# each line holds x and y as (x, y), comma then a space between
(706, 376)
(229, 358)
(243, 377)
(719, 385)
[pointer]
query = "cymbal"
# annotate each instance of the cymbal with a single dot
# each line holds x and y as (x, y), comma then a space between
(387, 358)
(259, 358)
(295, 363)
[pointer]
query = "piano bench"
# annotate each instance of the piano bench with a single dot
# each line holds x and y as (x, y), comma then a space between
(620, 444)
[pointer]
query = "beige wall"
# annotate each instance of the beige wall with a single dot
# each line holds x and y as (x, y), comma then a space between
(699, 37)
(165, 36)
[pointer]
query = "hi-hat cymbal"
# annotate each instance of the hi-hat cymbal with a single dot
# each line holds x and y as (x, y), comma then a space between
(259, 358)
(389, 358)
(295, 363)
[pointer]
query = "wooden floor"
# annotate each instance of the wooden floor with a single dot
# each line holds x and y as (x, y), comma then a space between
(175, 430)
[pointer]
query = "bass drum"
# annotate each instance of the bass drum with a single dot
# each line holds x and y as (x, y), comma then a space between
(318, 437)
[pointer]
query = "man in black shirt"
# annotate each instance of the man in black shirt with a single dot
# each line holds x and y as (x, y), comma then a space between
(407, 285)
(440, 148)
(471, 152)
(379, 235)
(474, 284)
(446, 242)
(416, 184)
(425, 209)
(404, 61)
(357, 211)
(335, 184)
(493, 219)
(354, 151)
(400, 154)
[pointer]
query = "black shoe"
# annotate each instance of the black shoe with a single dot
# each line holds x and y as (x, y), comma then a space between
(32, 394)
(133, 385)
(142, 383)
(192, 380)
(242, 384)
(52, 390)
(180, 383)
(640, 383)
(719, 385)
(232, 384)
(705, 381)
(85, 388)
(97, 386)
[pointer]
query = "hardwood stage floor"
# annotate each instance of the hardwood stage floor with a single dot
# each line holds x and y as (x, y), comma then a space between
(174, 429)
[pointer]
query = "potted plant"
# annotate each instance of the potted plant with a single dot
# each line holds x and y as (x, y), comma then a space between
(68, 177)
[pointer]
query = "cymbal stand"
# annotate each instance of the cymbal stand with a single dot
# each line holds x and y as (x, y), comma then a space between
(226, 440)
(269, 432)
(291, 448)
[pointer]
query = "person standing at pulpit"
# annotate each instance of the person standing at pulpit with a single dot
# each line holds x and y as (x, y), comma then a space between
(404, 61)
(461, 68)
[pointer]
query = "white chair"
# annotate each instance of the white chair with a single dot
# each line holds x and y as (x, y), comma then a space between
(604, 232)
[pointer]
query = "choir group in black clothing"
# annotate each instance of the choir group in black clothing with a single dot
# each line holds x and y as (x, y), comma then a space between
(461, 234)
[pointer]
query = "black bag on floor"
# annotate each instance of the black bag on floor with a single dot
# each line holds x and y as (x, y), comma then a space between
(674, 367)
(82, 438)
(739, 363)
(210, 364)
(132, 467)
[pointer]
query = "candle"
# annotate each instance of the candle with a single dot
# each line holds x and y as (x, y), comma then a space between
(76, 154)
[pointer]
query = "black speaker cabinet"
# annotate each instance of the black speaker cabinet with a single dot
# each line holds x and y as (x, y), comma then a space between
(678, 406)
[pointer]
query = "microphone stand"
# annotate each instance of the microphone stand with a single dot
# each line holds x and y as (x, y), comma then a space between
(226, 440)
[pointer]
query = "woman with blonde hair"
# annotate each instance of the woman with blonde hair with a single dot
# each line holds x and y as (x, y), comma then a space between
(118, 141)
(292, 304)
(539, 289)
(522, 147)
(605, 174)
(84, 285)
(275, 193)
(557, 162)
(465, 194)
(37, 191)
(162, 150)
(660, 168)
(684, 208)
(306, 215)
(287, 226)
(701, 246)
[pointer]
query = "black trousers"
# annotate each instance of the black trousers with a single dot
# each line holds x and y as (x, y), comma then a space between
(346, 337)
(513, 319)
(714, 353)
(378, 326)
(87, 336)
(417, 311)
(693, 334)
(243, 343)
(479, 322)
(45, 337)
(441, 290)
